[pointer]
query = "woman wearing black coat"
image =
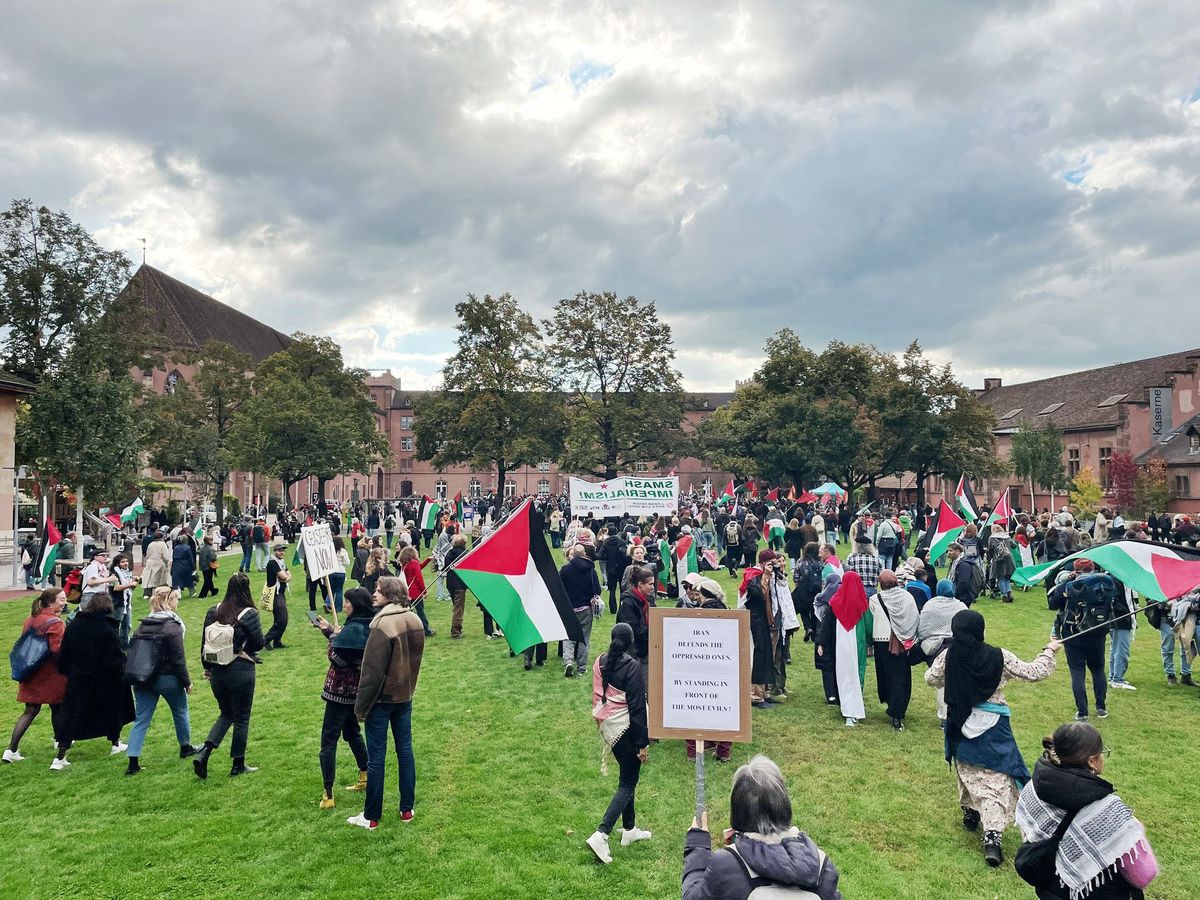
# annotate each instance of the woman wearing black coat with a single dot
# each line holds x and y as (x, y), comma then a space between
(98, 703)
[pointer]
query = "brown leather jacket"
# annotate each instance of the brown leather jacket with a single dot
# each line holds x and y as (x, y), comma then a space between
(392, 659)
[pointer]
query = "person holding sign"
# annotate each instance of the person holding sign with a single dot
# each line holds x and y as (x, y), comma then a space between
(768, 855)
(619, 708)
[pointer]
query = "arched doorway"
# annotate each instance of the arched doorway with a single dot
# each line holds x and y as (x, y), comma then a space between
(406, 489)
(379, 482)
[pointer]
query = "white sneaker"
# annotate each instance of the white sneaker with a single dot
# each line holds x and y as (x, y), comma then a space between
(11, 756)
(632, 835)
(851, 722)
(362, 822)
(118, 748)
(57, 765)
(1122, 685)
(599, 844)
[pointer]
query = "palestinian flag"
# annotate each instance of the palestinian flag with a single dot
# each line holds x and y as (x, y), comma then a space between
(773, 495)
(132, 511)
(49, 555)
(774, 530)
(750, 488)
(686, 561)
(941, 533)
(427, 518)
(1156, 571)
(664, 565)
(198, 531)
(965, 497)
(112, 519)
(458, 507)
(514, 577)
(1001, 513)
(729, 491)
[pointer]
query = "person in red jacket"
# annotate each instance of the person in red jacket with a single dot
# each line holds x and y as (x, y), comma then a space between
(47, 685)
(413, 577)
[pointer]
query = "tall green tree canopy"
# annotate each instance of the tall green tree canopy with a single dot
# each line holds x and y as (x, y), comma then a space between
(614, 360)
(1037, 456)
(495, 407)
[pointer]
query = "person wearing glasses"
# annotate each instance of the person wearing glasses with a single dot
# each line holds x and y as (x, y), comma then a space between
(1100, 849)
(979, 739)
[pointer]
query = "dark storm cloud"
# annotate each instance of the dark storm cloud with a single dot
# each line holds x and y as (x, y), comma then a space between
(965, 173)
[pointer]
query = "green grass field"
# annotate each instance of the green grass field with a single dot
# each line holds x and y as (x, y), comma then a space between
(509, 785)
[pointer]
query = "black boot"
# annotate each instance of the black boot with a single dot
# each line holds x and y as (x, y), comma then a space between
(186, 750)
(970, 818)
(240, 767)
(133, 767)
(200, 760)
(992, 854)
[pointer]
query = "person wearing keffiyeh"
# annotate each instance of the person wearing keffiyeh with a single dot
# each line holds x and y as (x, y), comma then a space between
(1103, 851)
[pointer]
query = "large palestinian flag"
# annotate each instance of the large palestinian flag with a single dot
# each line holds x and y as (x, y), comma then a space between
(430, 510)
(50, 542)
(514, 577)
(1156, 571)
(686, 561)
(664, 565)
(943, 531)
(965, 498)
(730, 491)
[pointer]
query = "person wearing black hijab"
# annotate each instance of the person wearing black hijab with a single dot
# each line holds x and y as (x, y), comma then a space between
(979, 740)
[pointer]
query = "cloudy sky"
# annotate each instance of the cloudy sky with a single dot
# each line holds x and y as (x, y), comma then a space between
(1013, 184)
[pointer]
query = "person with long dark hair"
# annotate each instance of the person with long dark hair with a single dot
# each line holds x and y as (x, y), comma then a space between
(46, 685)
(340, 692)
(97, 703)
(979, 739)
(233, 682)
(1101, 850)
(619, 707)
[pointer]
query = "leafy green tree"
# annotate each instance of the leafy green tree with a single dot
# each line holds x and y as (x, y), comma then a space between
(1153, 492)
(307, 414)
(189, 428)
(1037, 457)
(495, 407)
(1086, 493)
(624, 397)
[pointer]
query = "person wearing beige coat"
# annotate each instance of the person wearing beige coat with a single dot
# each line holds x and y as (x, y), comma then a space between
(156, 567)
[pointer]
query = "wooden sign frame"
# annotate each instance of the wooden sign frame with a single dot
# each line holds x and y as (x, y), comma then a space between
(654, 690)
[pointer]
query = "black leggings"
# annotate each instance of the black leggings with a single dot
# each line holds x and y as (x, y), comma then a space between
(233, 686)
(893, 676)
(622, 802)
(340, 721)
(26, 719)
(208, 589)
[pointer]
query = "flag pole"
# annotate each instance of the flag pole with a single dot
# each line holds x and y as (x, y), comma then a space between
(700, 800)
(1107, 624)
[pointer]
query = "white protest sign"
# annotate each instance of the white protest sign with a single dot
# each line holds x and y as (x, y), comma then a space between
(630, 494)
(316, 545)
(700, 674)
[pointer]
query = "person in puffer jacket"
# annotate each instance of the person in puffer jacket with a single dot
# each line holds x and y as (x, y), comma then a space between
(768, 849)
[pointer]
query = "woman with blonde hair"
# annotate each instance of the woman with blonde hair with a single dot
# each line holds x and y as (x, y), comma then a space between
(376, 568)
(170, 681)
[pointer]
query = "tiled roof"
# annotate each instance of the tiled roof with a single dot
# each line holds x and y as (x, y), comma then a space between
(1088, 399)
(189, 318)
(403, 399)
(12, 384)
(1176, 447)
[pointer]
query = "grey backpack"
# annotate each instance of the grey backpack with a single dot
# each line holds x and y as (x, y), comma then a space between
(764, 889)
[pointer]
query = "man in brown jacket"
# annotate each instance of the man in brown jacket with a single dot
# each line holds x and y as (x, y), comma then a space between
(390, 666)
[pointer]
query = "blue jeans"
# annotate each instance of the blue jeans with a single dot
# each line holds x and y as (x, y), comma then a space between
(1168, 652)
(397, 716)
(146, 698)
(1118, 654)
(1004, 585)
(247, 550)
(337, 584)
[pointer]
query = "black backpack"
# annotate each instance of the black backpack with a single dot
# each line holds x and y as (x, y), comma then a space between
(1089, 602)
(810, 575)
(1034, 861)
(141, 662)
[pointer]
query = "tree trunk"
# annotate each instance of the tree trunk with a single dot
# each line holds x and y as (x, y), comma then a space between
(218, 503)
(321, 481)
(501, 476)
(921, 476)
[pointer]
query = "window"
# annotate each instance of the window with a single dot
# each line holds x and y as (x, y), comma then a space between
(439, 488)
(172, 382)
(1113, 400)
(544, 466)
(1012, 413)
(406, 444)
(510, 488)
(641, 467)
(1194, 442)
(1072, 461)
(544, 487)
(1105, 459)
(406, 464)
(1049, 409)
(475, 488)
(406, 423)
(172, 473)
(1183, 486)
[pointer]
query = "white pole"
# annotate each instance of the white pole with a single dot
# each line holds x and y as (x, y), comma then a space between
(79, 524)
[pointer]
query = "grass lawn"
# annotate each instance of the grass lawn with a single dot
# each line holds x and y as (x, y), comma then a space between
(509, 786)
